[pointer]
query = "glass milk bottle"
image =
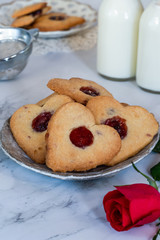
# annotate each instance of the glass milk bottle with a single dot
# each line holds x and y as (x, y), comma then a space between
(118, 25)
(148, 59)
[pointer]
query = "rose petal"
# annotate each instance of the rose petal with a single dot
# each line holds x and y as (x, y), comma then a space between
(107, 204)
(138, 190)
(117, 210)
(116, 214)
(122, 204)
(148, 219)
(141, 208)
(112, 195)
(116, 217)
(126, 219)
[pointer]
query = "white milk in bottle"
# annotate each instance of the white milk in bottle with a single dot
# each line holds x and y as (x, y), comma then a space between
(148, 59)
(118, 25)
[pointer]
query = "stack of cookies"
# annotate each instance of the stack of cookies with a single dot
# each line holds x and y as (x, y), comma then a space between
(81, 126)
(37, 16)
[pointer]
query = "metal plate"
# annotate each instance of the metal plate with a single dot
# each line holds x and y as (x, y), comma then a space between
(11, 148)
(69, 7)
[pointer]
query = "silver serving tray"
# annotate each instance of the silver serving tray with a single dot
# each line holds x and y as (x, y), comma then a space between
(11, 149)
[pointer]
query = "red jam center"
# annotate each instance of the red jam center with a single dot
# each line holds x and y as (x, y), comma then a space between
(40, 123)
(36, 13)
(81, 137)
(89, 91)
(118, 124)
(57, 18)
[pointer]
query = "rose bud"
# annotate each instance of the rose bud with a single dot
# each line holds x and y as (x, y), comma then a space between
(132, 206)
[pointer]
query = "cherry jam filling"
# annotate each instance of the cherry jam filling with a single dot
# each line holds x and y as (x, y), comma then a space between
(81, 137)
(57, 18)
(36, 13)
(89, 91)
(118, 124)
(40, 123)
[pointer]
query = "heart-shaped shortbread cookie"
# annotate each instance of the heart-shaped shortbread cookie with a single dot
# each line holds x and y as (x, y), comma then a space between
(29, 123)
(79, 89)
(57, 22)
(24, 17)
(135, 125)
(28, 9)
(44, 100)
(76, 143)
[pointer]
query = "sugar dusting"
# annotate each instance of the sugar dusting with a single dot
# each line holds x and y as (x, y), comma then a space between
(10, 47)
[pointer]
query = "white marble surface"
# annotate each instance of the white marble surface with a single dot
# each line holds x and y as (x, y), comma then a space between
(36, 207)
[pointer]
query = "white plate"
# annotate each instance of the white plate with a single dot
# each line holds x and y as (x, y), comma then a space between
(69, 7)
(11, 148)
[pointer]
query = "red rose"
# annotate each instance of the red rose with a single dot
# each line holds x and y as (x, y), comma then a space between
(132, 206)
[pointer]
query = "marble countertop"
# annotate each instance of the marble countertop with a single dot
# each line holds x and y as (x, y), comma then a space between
(37, 207)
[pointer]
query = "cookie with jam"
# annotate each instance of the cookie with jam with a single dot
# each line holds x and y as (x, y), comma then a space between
(24, 17)
(76, 143)
(29, 124)
(57, 22)
(79, 89)
(44, 100)
(134, 124)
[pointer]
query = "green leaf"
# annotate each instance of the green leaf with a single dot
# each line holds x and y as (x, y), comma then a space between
(150, 180)
(158, 233)
(157, 147)
(155, 172)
